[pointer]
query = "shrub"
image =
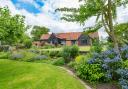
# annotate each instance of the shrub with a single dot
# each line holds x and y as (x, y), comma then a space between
(45, 53)
(91, 72)
(4, 48)
(78, 59)
(126, 63)
(70, 52)
(28, 43)
(16, 56)
(34, 51)
(39, 57)
(60, 61)
(72, 64)
(4, 55)
(28, 56)
(123, 81)
(53, 54)
(74, 51)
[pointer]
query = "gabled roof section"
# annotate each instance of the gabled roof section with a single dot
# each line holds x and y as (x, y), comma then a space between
(94, 35)
(45, 36)
(69, 36)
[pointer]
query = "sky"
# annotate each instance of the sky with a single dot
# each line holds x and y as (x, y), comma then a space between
(42, 13)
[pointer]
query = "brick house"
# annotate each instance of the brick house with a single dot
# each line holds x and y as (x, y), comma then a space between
(68, 39)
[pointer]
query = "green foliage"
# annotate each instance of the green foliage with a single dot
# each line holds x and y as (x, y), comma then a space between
(122, 30)
(28, 43)
(96, 47)
(4, 55)
(90, 72)
(72, 64)
(126, 63)
(53, 54)
(70, 52)
(80, 58)
(4, 48)
(22, 56)
(12, 28)
(59, 62)
(38, 31)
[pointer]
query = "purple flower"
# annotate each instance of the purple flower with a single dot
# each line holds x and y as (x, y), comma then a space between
(105, 66)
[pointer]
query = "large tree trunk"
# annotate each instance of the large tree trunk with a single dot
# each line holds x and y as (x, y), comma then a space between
(111, 28)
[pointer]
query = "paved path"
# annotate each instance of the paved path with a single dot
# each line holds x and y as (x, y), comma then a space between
(70, 72)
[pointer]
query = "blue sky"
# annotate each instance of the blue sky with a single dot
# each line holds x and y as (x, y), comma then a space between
(29, 6)
(42, 13)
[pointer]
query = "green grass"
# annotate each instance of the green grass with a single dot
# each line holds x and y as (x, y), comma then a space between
(24, 75)
(82, 48)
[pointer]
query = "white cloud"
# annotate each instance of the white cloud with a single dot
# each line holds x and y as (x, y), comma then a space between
(51, 20)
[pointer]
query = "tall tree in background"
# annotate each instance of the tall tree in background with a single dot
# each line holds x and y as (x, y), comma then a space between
(12, 28)
(122, 33)
(104, 10)
(38, 31)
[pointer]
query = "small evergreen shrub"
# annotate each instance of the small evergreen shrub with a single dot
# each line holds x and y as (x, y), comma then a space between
(60, 61)
(70, 52)
(4, 55)
(53, 54)
(28, 43)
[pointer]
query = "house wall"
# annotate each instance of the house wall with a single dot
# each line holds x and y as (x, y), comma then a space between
(84, 40)
(68, 43)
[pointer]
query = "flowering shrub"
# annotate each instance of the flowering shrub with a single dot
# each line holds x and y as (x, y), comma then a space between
(16, 56)
(109, 61)
(112, 65)
(123, 81)
(40, 57)
(124, 51)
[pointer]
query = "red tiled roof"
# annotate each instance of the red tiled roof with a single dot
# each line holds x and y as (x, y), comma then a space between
(45, 36)
(69, 36)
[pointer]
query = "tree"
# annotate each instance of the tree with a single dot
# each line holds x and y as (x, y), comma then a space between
(122, 33)
(104, 10)
(38, 31)
(12, 28)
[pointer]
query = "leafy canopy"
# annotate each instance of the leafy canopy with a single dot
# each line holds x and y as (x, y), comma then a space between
(38, 31)
(12, 27)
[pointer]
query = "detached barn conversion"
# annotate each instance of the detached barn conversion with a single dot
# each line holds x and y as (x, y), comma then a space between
(69, 39)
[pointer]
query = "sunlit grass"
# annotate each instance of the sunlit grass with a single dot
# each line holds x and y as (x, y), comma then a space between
(25, 75)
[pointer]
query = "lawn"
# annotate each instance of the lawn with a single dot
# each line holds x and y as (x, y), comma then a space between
(24, 75)
(82, 48)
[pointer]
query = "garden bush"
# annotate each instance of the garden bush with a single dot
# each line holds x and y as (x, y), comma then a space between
(4, 48)
(4, 55)
(111, 62)
(70, 52)
(79, 58)
(16, 56)
(39, 57)
(72, 64)
(28, 43)
(53, 54)
(59, 61)
(90, 72)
